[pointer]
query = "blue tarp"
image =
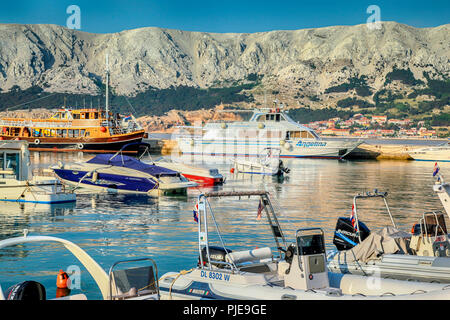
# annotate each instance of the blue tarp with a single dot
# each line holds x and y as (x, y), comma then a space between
(132, 163)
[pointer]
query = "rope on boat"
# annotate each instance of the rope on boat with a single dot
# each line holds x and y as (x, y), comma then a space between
(181, 273)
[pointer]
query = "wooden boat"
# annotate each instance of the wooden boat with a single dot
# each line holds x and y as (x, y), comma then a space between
(89, 130)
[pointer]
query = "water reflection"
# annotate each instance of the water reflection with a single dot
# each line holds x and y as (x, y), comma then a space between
(113, 227)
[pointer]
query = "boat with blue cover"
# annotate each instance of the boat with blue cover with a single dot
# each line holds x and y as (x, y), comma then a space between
(118, 173)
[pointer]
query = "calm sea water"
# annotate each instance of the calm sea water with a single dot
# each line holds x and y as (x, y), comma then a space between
(115, 227)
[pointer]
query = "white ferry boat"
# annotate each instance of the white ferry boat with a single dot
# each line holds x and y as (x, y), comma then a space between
(267, 128)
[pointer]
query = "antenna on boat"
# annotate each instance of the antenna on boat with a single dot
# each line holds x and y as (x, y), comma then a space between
(107, 91)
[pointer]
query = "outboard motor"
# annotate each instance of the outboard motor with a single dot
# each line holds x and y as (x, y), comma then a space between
(27, 290)
(345, 236)
(216, 254)
(308, 267)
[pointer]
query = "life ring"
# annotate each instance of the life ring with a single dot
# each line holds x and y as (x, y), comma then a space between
(80, 146)
(37, 141)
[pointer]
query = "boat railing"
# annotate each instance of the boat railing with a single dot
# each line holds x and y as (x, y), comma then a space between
(29, 123)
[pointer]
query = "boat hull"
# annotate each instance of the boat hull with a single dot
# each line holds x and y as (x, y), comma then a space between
(431, 154)
(115, 183)
(47, 193)
(401, 267)
(306, 148)
(94, 145)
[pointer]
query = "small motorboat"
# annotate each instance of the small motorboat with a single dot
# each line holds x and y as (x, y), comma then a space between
(203, 176)
(422, 255)
(267, 163)
(118, 173)
(290, 272)
(136, 283)
(17, 182)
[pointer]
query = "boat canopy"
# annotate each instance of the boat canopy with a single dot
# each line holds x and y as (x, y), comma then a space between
(132, 163)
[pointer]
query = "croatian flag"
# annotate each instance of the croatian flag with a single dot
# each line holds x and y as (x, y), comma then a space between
(260, 209)
(195, 211)
(353, 218)
(127, 118)
(436, 169)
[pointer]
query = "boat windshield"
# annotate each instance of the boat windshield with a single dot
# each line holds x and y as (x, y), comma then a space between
(310, 244)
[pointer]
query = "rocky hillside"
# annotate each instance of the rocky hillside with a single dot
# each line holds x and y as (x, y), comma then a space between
(300, 63)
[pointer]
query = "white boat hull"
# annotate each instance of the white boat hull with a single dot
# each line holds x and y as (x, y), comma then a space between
(431, 154)
(36, 191)
(304, 148)
(252, 286)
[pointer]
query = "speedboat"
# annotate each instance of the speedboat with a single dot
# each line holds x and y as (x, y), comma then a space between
(422, 255)
(136, 283)
(267, 128)
(17, 182)
(437, 153)
(118, 173)
(267, 163)
(289, 272)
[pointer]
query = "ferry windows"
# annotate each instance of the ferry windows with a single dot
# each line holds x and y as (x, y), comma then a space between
(261, 118)
(95, 115)
(82, 132)
(76, 133)
(70, 133)
(277, 117)
(87, 134)
(64, 132)
(76, 116)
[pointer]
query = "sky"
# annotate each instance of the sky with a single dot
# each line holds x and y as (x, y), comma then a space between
(244, 16)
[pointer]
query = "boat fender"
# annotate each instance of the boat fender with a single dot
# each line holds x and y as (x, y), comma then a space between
(223, 125)
(282, 142)
(80, 146)
(261, 125)
(27, 290)
(62, 280)
(287, 146)
(94, 176)
(191, 142)
(37, 141)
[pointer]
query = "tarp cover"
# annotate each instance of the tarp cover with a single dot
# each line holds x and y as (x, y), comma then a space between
(389, 240)
(132, 163)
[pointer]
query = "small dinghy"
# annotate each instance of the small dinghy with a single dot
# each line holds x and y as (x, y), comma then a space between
(267, 163)
(136, 283)
(295, 271)
(422, 255)
(19, 185)
(118, 173)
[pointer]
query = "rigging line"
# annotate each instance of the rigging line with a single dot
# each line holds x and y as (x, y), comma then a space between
(32, 101)
(134, 110)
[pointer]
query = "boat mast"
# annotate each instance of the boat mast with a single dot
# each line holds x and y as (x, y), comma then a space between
(107, 91)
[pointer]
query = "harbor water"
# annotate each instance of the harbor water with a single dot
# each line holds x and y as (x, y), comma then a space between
(112, 227)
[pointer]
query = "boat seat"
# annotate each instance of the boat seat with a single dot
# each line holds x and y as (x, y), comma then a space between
(239, 257)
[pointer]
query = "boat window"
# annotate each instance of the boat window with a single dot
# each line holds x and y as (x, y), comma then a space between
(76, 116)
(95, 115)
(277, 117)
(87, 115)
(87, 134)
(310, 244)
(261, 118)
(36, 132)
(76, 132)
(70, 133)
(82, 132)
(11, 163)
(434, 227)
